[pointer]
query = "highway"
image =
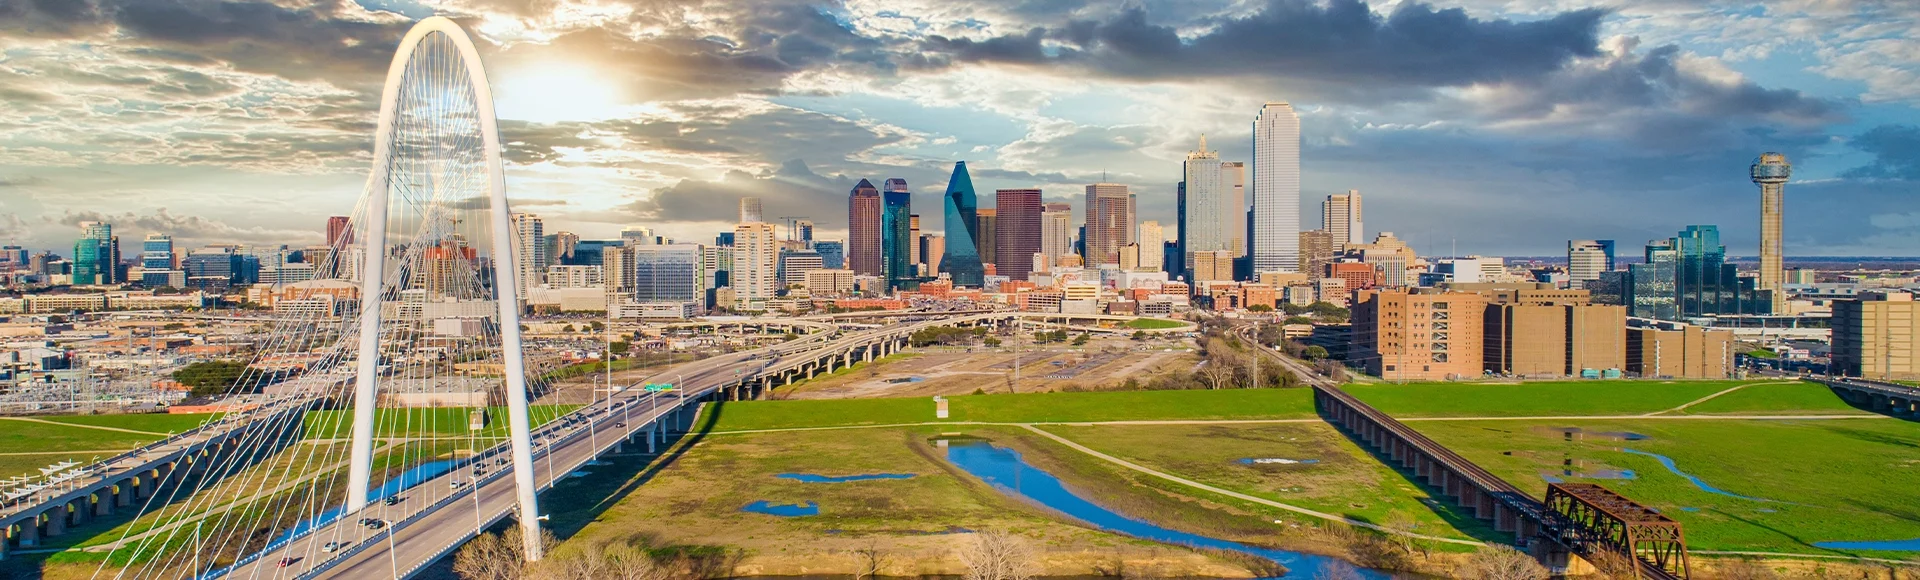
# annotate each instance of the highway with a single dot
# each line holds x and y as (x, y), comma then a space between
(419, 535)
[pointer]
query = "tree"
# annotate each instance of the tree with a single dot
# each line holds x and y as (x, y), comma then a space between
(567, 328)
(1500, 562)
(1217, 372)
(1082, 339)
(991, 342)
(210, 377)
(997, 555)
(1315, 352)
(1139, 335)
(618, 348)
(1259, 308)
(495, 556)
(1338, 570)
(1298, 320)
(597, 326)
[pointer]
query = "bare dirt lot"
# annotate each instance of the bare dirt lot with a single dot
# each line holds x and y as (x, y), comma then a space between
(1103, 364)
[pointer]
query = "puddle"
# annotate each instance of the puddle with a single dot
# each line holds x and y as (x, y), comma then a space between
(1689, 509)
(906, 380)
(1697, 482)
(1576, 433)
(785, 510)
(1275, 461)
(813, 478)
(1912, 545)
(1007, 472)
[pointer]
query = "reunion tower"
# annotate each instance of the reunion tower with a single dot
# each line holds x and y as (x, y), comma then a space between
(1770, 172)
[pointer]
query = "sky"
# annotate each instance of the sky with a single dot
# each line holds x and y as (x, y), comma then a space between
(1491, 127)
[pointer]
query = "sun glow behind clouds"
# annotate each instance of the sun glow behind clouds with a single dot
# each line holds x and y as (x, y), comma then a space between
(556, 92)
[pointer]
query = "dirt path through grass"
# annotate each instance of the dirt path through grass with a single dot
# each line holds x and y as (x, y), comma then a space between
(1708, 398)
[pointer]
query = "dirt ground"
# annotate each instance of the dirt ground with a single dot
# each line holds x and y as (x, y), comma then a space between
(1103, 364)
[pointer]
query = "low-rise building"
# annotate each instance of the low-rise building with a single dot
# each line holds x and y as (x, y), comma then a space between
(1873, 336)
(1686, 352)
(1418, 334)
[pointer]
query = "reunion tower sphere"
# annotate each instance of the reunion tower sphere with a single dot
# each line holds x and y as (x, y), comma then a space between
(1771, 168)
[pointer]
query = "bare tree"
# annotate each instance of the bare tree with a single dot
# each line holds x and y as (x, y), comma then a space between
(1217, 374)
(1338, 570)
(625, 562)
(997, 555)
(871, 558)
(1403, 525)
(1611, 565)
(491, 557)
(1500, 562)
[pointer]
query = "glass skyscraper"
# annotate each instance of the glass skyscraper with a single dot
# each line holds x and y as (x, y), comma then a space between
(896, 234)
(96, 255)
(1688, 276)
(961, 260)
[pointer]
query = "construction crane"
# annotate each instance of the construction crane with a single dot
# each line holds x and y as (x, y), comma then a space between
(793, 227)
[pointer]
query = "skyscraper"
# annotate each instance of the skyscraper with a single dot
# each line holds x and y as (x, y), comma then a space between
(530, 250)
(833, 253)
(863, 229)
(988, 232)
(1687, 276)
(1056, 231)
(896, 235)
(156, 252)
(1210, 195)
(898, 184)
(1149, 238)
(1770, 172)
(1316, 251)
(1276, 189)
(1017, 216)
(913, 239)
(756, 263)
(1586, 259)
(1340, 216)
(750, 210)
(669, 273)
(96, 255)
(961, 257)
(339, 232)
(1109, 223)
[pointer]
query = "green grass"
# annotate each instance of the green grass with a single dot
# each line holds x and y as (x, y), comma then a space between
(437, 422)
(1344, 479)
(1056, 407)
(1846, 479)
(1783, 398)
(1154, 323)
(1762, 353)
(153, 422)
(857, 365)
(1552, 398)
(34, 437)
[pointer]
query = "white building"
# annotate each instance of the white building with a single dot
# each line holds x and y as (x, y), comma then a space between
(756, 262)
(529, 250)
(1341, 216)
(1276, 189)
(1586, 259)
(1151, 239)
(1216, 218)
(575, 276)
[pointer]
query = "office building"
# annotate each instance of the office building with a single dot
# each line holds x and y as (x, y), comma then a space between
(802, 230)
(530, 251)
(641, 236)
(833, 253)
(1537, 330)
(830, 282)
(960, 258)
(863, 229)
(1340, 217)
(1149, 238)
(156, 252)
(1109, 223)
(1586, 260)
(913, 240)
(1770, 172)
(756, 263)
(669, 273)
(1418, 334)
(795, 264)
(896, 236)
(1317, 250)
(1213, 194)
(989, 235)
(933, 248)
(1056, 231)
(1688, 277)
(1214, 266)
(1390, 258)
(339, 231)
(96, 256)
(750, 210)
(1017, 218)
(1276, 189)
(1874, 334)
(1689, 352)
(564, 276)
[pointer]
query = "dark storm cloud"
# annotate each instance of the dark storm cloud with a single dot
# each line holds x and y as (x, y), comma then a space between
(793, 189)
(1896, 151)
(1339, 41)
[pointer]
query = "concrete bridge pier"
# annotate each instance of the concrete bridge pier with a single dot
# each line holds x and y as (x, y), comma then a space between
(102, 502)
(57, 521)
(28, 534)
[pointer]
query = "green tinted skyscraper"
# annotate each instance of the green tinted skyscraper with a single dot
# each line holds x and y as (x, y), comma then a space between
(896, 232)
(962, 259)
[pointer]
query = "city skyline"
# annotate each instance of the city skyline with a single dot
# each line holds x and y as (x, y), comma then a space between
(1678, 124)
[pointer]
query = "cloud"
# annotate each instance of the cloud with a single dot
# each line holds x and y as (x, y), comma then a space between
(1896, 151)
(477, 203)
(21, 181)
(1340, 46)
(190, 227)
(793, 189)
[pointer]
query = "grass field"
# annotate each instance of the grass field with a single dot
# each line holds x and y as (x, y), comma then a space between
(694, 504)
(1026, 408)
(1536, 399)
(1154, 323)
(26, 446)
(1780, 398)
(154, 422)
(1343, 479)
(1835, 479)
(447, 422)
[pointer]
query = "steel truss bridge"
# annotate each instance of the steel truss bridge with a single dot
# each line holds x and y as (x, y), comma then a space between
(1575, 520)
